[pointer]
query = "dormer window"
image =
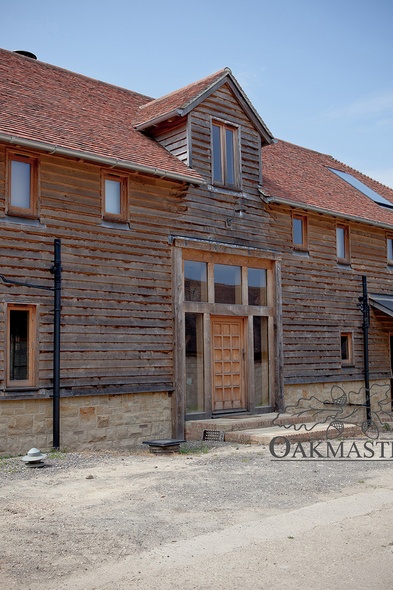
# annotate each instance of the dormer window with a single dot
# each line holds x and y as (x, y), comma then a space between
(225, 155)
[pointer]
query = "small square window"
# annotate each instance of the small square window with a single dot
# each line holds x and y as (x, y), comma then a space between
(342, 243)
(225, 155)
(114, 200)
(227, 284)
(346, 348)
(299, 232)
(21, 345)
(22, 185)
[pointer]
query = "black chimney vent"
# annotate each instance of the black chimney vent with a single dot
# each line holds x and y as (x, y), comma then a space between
(26, 53)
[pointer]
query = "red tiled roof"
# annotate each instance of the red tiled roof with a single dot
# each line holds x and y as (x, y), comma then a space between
(162, 107)
(43, 103)
(302, 176)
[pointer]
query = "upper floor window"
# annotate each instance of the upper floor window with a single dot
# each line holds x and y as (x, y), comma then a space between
(21, 345)
(225, 156)
(22, 185)
(342, 243)
(389, 250)
(114, 190)
(299, 232)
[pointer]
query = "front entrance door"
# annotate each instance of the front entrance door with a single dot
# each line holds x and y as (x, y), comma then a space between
(228, 364)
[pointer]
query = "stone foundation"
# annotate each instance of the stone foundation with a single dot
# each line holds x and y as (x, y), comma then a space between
(86, 423)
(379, 392)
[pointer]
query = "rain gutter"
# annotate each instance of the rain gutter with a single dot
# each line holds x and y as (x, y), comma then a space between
(88, 156)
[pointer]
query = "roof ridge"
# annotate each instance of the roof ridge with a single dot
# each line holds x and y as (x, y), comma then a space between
(223, 71)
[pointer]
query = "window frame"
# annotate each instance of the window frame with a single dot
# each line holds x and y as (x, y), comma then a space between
(347, 254)
(223, 126)
(31, 381)
(303, 246)
(349, 362)
(32, 211)
(123, 181)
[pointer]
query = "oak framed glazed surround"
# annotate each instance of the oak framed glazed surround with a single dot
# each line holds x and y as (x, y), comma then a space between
(227, 310)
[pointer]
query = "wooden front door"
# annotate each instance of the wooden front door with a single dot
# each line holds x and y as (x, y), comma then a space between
(228, 364)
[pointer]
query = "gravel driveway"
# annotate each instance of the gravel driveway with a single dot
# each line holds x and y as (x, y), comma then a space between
(137, 520)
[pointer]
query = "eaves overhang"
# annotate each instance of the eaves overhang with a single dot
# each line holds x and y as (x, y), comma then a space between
(306, 207)
(103, 160)
(383, 303)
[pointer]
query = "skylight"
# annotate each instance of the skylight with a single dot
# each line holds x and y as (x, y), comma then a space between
(360, 186)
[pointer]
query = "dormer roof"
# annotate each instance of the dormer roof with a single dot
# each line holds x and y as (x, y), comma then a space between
(183, 101)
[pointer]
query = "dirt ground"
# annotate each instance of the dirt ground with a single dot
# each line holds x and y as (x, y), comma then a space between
(214, 516)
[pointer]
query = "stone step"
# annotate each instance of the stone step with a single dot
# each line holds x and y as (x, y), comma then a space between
(194, 428)
(308, 431)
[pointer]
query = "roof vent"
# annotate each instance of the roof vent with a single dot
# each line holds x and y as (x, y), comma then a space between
(26, 53)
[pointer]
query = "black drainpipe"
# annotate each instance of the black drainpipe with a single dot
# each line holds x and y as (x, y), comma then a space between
(365, 307)
(56, 271)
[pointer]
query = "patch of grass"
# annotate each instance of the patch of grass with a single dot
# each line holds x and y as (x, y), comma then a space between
(56, 454)
(194, 449)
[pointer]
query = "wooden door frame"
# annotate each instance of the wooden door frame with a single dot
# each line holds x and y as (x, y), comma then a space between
(245, 256)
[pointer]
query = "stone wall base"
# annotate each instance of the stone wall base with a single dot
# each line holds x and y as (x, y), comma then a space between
(296, 395)
(86, 423)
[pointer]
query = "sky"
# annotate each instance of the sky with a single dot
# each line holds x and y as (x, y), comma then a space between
(319, 72)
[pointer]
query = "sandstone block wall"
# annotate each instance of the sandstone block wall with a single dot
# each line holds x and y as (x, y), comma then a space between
(86, 423)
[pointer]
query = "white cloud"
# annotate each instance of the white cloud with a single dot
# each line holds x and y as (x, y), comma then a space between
(372, 105)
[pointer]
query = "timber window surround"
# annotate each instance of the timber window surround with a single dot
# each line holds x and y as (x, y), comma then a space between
(342, 243)
(299, 232)
(346, 348)
(114, 197)
(22, 185)
(21, 346)
(225, 154)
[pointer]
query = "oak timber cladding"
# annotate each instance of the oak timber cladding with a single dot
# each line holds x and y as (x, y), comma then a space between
(321, 299)
(117, 333)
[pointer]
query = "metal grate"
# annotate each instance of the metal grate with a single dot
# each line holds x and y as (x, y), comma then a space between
(214, 435)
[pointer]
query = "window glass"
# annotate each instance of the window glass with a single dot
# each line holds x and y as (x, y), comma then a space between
(389, 244)
(19, 345)
(261, 361)
(230, 157)
(113, 197)
(341, 245)
(20, 184)
(257, 286)
(227, 284)
(346, 349)
(194, 362)
(297, 231)
(217, 164)
(195, 281)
